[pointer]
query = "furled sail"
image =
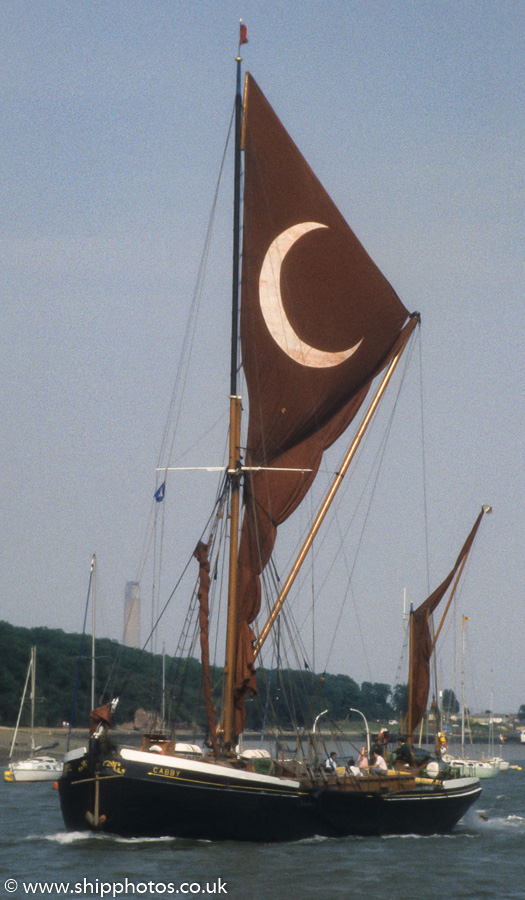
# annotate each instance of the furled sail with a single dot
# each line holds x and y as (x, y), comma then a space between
(201, 555)
(318, 322)
(421, 645)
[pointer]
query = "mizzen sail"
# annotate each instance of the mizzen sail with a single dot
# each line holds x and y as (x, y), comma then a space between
(421, 643)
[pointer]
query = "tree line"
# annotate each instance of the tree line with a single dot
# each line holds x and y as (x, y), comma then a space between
(63, 685)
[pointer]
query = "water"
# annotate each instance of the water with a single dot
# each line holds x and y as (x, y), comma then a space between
(482, 858)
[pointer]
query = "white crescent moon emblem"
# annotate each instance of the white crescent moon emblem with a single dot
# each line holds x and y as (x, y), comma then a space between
(273, 310)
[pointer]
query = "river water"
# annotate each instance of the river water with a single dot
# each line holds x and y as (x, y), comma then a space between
(483, 858)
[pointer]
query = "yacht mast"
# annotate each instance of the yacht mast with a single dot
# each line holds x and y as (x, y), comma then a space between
(33, 693)
(464, 619)
(29, 671)
(93, 561)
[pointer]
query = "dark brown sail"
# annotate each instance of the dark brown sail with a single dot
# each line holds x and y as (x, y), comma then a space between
(318, 322)
(421, 645)
(201, 555)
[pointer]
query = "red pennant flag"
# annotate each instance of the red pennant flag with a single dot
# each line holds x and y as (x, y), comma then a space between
(243, 36)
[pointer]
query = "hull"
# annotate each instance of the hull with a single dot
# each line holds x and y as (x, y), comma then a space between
(417, 811)
(36, 769)
(502, 765)
(475, 768)
(139, 794)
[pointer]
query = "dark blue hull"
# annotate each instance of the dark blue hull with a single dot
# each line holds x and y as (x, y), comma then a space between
(143, 795)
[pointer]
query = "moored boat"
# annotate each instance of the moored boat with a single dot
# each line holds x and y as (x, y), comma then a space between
(462, 763)
(36, 767)
(477, 768)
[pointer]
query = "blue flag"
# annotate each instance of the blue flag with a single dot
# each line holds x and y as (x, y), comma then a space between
(159, 493)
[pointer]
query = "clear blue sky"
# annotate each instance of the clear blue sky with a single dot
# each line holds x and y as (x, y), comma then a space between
(114, 117)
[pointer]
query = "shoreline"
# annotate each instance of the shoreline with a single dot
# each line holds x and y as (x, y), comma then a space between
(79, 737)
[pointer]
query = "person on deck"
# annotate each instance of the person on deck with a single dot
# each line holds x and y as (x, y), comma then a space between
(351, 767)
(404, 753)
(381, 742)
(362, 760)
(378, 765)
(330, 763)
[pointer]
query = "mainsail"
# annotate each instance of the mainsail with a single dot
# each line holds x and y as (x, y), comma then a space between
(319, 321)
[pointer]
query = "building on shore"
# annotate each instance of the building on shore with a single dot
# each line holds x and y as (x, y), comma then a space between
(131, 634)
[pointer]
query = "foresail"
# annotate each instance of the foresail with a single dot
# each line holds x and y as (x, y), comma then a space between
(318, 322)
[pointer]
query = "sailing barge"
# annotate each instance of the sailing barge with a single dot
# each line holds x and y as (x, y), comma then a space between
(143, 793)
(319, 324)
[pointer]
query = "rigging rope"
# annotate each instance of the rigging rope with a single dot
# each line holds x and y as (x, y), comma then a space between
(171, 426)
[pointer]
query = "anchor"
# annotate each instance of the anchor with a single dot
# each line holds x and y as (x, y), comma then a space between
(96, 819)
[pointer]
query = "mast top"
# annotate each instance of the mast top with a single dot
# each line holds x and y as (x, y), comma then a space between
(243, 38)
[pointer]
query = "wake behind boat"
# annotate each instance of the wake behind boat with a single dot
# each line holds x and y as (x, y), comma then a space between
(319, 324)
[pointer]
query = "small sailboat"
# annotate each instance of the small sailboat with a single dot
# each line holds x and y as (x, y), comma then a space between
(319, 324)
(465, 765)
(498, 761)
(36, 767)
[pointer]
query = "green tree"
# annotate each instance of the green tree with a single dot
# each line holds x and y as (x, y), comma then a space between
(450, 702)
(400, 700)
(375, 700)
(292, 697)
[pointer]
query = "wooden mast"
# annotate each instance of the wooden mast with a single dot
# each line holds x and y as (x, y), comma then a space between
(234, 468)
(265, 631)
(411, 685)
